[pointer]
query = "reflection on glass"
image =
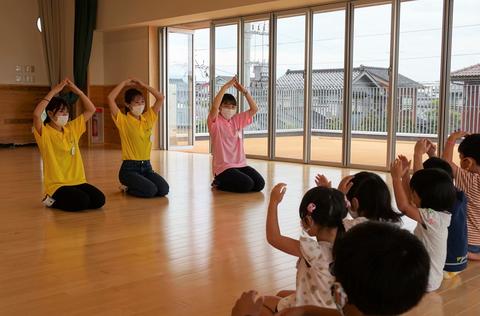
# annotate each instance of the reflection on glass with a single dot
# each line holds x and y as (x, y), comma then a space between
(256, 54)
(225, 56)
(419, 73)
(180, 120)
(327, 86)
(290, 87)
(370, 84)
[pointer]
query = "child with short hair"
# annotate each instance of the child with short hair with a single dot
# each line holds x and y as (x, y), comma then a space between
(467, 179)
(433, 195)
(457, 231)
(321, 213)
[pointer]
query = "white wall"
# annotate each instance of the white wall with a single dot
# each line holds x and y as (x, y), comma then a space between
(21, 42)
(125, 55)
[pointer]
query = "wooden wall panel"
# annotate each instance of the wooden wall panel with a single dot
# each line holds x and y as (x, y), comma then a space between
(17, 104)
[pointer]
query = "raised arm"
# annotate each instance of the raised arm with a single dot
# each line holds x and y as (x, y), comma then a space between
(215, 109)
(159, 98)
(37, 113)
(114, 94)
(421, 148)
(253, 107)
(450, 146)
(398, 171)
(88, 107)
(274, 237)
(406, 177)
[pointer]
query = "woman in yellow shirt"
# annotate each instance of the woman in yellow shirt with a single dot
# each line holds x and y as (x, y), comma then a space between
(136, 134)
(66, 187)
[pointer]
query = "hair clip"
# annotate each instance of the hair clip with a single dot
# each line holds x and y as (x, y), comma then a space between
(311, 207)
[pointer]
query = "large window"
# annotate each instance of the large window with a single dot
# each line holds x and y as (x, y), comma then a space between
(256, 79)
(225, 55)
(201, 54)
(418, 84)
(370, 84)
(327, 86)
(290, 87)
(464, 111)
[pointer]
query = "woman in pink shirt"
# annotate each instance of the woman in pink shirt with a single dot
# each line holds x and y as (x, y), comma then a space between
(225, 127)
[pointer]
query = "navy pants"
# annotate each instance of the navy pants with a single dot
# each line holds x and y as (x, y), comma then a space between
(240, 180)
(140, 179)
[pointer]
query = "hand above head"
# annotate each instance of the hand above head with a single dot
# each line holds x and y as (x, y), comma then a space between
(59, 87)
(346, 184)
(405, 163)
(249, 304)
(322, 181)
(432, 149)
(457, 135)
(72, 86)
(230, 83)
(397, 169)
(421, 146)
(278, 192)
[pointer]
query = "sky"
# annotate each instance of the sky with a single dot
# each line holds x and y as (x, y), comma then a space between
(419, 50)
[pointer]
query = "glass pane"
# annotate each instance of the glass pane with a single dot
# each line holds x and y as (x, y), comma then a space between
(225, 56)
(370, 83)
(180, 120)
(464, 112)
(419, 73)
(327, 86)
(256, 54)
(202, 89)
(290, 87)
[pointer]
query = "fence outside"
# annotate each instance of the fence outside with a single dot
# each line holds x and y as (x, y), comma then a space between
(417, 110)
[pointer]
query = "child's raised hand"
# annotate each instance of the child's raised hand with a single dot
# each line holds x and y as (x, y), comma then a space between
(405, 163)
(396, 169)
(421, 146)
(322, 181)
(457, 135)
(278, 192)
(432, 149)
(346, 184)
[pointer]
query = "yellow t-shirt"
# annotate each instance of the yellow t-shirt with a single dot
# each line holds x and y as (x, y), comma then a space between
(136, 135)
(62, 161)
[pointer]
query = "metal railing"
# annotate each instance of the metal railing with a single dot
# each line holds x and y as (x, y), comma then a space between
(417, 110)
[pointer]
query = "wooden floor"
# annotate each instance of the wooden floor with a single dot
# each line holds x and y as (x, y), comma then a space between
(190, 254)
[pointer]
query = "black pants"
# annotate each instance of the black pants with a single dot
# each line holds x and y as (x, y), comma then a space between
(240, 180)
(80, 197)
(140, 179)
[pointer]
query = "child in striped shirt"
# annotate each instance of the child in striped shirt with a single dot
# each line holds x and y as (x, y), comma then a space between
(467, 179)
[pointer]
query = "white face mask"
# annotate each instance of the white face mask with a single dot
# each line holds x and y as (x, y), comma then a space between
(137, 109)
(228, 113)
(61, 120)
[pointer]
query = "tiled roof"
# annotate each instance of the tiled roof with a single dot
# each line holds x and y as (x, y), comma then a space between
(333, 78)
(471, 72)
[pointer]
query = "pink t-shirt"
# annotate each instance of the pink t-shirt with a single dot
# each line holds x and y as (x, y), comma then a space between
(227, 142)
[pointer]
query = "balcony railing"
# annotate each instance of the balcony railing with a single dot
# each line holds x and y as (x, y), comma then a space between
(417, 110)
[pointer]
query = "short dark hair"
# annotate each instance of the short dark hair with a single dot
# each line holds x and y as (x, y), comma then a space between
(56, 104)
(229, 99)
(130, 94)
(439, 163)
(383, 269)
(435, 189)
(470, 147)
(374, 198)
